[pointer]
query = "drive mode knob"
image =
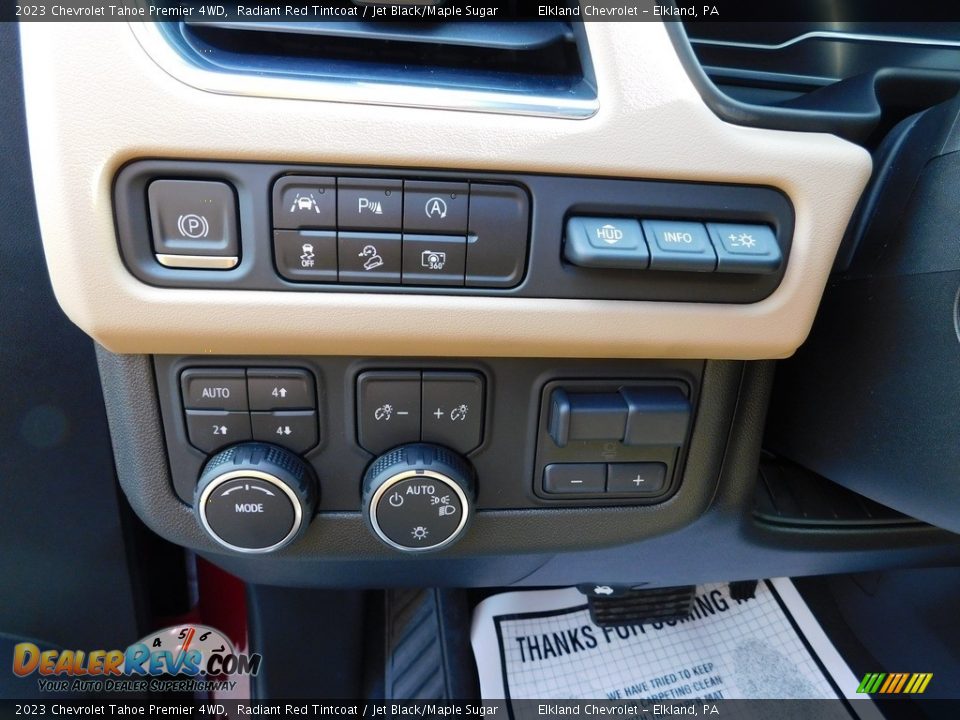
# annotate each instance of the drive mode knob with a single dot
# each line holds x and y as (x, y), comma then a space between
(255, 497)
(417, 497)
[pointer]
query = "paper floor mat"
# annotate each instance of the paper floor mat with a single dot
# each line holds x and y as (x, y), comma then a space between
(542, 645)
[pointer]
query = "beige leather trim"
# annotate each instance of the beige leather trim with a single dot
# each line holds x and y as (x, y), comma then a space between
(95, 100)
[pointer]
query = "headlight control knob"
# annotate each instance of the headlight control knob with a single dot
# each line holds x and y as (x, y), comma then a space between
(255, 497)
(418, 497)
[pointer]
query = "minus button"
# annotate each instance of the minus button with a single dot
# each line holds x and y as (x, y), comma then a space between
(574, 478)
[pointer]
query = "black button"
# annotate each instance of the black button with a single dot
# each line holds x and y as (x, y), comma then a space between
(305, 202)
(193, 217)
(419, 512)
(211, 430)
(679, 245)
(649, 478)
(214, 389)
(433, 260)
(295, 430)
(586, 416)
(281, 389)
(369, 258)
(388, 409)
(605, 242)
(656, 416)
(369, 204)
(306, 255)
(574, 478)
(432, 207)
(250, 513)
(452, 412)
(497, 235)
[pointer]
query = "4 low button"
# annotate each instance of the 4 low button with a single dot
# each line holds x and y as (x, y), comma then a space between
(294, 430)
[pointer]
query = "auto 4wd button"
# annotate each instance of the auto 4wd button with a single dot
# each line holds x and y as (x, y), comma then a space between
(214, 389)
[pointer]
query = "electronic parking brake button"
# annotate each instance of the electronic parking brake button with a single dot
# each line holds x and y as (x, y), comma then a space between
(194, 224)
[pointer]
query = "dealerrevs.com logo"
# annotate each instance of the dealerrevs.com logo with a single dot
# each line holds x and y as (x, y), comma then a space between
(185, 658)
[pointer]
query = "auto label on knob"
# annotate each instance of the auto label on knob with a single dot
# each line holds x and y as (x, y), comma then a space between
(418, 510)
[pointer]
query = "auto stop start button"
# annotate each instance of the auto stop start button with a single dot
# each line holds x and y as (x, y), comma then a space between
(419, 512)
(249, 513)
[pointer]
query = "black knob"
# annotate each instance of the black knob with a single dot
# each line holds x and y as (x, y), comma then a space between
(255, 497)
(418, 497)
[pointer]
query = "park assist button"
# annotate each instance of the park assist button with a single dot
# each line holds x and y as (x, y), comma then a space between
(605, 242)
(367, 204)
(745, 248)
(677, 245)
(194, 224)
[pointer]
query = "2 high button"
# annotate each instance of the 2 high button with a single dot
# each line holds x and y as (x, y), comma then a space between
(225, 406)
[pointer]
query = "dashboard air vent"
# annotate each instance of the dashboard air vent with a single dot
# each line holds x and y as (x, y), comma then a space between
(855, 79)
(494, 66)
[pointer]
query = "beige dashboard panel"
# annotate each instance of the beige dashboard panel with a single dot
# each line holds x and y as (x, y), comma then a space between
(96, 100)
